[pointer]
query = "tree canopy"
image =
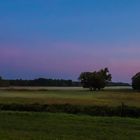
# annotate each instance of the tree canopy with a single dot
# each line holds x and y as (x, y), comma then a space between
(136, 81)
(96, 79)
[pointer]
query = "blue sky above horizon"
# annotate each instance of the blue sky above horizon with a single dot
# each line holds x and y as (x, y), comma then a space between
(61, 38)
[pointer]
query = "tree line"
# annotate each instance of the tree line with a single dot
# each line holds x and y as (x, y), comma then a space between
(38, 82)
(95, 80)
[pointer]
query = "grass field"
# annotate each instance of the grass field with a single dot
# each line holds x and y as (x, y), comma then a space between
(59, 126)
(109, 96)
(48, 126)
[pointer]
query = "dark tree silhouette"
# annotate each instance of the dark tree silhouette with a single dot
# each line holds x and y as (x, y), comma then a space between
(3, 83)
(95, 80)
(42, 82)
(136, 81)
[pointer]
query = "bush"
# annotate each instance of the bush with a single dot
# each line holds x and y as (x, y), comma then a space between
(121, 111)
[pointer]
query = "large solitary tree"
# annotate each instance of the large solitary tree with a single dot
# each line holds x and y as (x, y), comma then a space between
(136, 81)
(96, 79)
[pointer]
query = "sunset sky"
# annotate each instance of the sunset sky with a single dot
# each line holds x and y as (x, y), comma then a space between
(61, 38)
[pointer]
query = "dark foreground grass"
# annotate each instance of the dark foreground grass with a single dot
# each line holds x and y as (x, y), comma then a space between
(53, 126)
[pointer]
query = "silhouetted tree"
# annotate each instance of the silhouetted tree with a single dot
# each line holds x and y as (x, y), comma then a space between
(95, 80)
(136, 81)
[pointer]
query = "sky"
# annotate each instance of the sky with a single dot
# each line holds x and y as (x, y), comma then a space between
(62, 38)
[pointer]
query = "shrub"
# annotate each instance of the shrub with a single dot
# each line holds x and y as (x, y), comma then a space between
(121, 111)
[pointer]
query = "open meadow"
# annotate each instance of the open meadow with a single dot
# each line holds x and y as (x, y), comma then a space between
(79, 96)
(22, 125)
